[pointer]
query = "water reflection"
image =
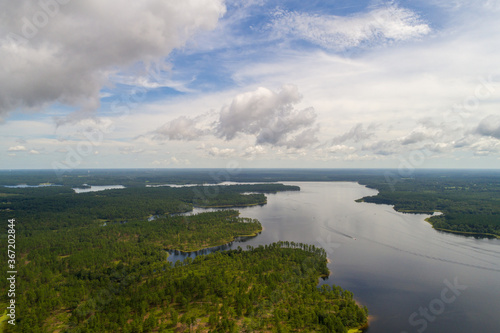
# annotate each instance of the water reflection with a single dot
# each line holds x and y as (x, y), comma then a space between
(176, 255)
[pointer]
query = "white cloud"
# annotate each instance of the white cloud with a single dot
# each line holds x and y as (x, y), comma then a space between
(220, 153)
(64, 53)
(130, 150)
(489, 126)
(172, 161)
(388, 23)
(270, 116)
(486, 146)
(413, 137)
(153, 77)
(17, 148)
(438, 91)
(356, 134)
(253, 151)
(382, 147)
(340, 149)
(181, 128)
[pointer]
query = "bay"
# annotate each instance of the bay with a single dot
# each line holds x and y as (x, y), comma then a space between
(411, 277)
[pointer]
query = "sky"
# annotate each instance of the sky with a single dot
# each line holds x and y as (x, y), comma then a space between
(249, 84)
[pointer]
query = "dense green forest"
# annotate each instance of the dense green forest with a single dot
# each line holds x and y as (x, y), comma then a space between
(271, 288)
(55, 207)
(469, 204)
(94, 262)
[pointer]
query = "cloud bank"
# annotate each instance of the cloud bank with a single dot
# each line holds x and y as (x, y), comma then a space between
(181, 128)
(269, 116)
(63, 51)
(489, 126)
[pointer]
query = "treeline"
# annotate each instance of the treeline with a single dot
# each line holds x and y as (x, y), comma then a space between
(59, 207)
(470, 204)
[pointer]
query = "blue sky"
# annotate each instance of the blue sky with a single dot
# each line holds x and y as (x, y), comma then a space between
(212, 83)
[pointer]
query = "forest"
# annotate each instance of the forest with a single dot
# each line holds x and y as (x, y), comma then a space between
(468, 199)
(469, 203)
(97, 262)
(56, 207)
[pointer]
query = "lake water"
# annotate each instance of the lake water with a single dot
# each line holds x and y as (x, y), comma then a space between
(411, 277)
(96, 188)
(227, 183)
(28, 186)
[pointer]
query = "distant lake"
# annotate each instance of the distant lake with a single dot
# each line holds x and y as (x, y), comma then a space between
(98, 188)
(219, 184)
(394, 263)
(29, 186)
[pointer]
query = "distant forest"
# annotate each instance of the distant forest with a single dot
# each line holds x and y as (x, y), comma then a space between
(468, 199)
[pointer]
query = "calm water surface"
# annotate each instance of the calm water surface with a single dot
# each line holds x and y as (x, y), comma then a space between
(396, 264)
(96, 188)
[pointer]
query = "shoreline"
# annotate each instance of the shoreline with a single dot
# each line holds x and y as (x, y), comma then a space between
(465, 233)
(433, 213)
(217, 244)
(369, 320)
(233, 206)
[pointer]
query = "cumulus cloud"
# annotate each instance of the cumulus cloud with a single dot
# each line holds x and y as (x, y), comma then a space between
(181, 128)
(484, 146)
(253, 151)
(220, 153)
(17, 148)
(340, 149)
(413, 137)
(384, 24)
(130, 150)
(65, 51)
(489, 126)
(383, 147)
(428, 132)
(270, 116)
(355, 134)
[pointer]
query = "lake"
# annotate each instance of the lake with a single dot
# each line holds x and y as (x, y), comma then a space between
(411, 277)
(97, 188)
